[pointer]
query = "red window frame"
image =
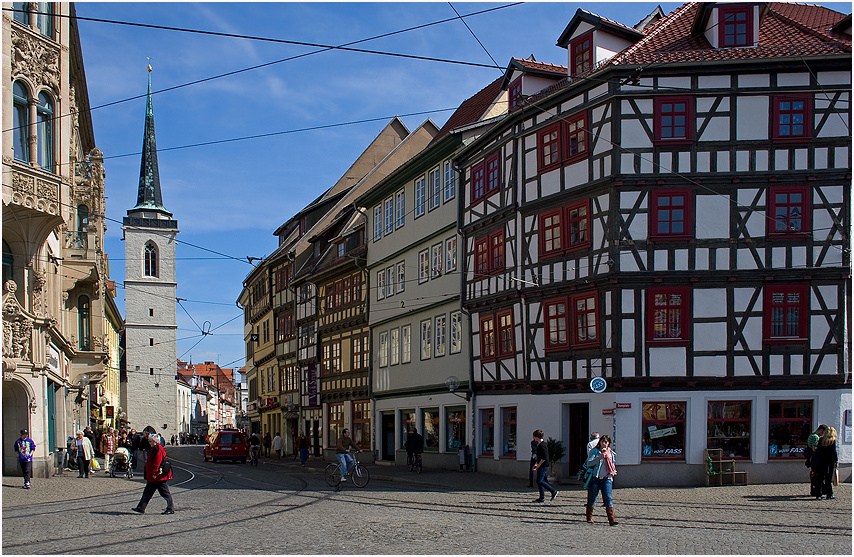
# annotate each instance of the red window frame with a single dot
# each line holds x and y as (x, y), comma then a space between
(797, 413)
(551, 223)
(778, 320)
(581, 53)
(481, 256)
(666, 210)
(478, 182)
(556, 316)
(548, 148)
(487, 338)
(668, 107)
(581, 326)
(783, 108)
(496, 251)
(514, 94)
(675, 413)
(506, 342)
(667, 317)
(493, 174)
(782, 198)
(577, 231)
(487, 431)
(575, 129)
(730, 28)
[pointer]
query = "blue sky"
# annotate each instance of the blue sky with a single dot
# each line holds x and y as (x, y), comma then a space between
(230, 197)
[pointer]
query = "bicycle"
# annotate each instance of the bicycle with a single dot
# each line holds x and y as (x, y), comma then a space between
(415, 463)
(254, 452)
(358, 474)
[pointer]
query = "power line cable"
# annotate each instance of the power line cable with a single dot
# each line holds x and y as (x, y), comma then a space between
(475, 36)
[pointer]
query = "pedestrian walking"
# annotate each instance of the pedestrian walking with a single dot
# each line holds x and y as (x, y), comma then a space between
(824, 461)
(25, 447)
(812, 442)
(303, 445)
(542, 468)
(268, 442)
(85, 454)
(278, 445)
(601, 461)
(531, 469)
(109, 444)
(155, 476)
(594, 441)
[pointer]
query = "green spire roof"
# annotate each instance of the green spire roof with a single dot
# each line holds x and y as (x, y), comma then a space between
(149, 197)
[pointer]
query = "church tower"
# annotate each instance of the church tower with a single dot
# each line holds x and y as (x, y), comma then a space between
(150, 298)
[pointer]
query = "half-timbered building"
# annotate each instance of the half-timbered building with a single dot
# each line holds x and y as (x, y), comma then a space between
(669, 222)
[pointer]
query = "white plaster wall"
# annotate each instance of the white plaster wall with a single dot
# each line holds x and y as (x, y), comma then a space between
(793, 79)
(837, 125)
(667, 361)
(712, 216)
(714, 81)
(834, 78)
(754, 80)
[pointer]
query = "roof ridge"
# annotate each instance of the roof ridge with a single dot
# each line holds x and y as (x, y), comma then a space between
(663, 24)
(804, 28)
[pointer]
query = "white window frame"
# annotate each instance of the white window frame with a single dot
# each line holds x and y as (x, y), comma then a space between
(406, 344)
(426, 339)
(400, 209)
(420, 196)
(423, 266)
(384, 349)
(434, 189)
(401, 277)
(380, 284)
(440, 328)
(389, 216)
(378, 222)
(389, 281)
(456, 332)
(450, 188)
(436, 260)
(394, 339)
(451, 254)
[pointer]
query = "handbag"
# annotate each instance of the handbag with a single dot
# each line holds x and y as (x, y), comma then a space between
(835, 480)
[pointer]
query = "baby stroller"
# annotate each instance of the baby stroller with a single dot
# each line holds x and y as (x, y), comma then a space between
(120, 464)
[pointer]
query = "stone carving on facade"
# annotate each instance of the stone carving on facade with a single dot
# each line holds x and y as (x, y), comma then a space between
(35, 59)
(99, 344)
(43, 198)
(17, 325)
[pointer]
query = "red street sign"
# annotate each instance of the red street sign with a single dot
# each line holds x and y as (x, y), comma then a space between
(624, 405)
(606, 411)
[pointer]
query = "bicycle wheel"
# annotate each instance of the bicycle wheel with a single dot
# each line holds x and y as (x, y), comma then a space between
(361, 476)
(417, 466)
(332, 474)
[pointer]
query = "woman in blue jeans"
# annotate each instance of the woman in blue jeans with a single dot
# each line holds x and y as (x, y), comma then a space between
(601, 461)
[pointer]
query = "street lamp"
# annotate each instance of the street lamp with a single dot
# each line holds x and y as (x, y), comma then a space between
(453, 383)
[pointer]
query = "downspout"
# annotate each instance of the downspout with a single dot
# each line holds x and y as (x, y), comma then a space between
(367, 290)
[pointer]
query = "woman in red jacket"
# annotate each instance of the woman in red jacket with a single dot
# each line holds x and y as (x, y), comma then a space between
(155, 477)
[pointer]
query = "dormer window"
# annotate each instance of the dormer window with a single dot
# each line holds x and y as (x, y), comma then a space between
(736, 26)
(581, 54)
(514, 94)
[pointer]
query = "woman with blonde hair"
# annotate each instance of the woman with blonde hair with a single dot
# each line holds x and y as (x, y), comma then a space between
(824, 463)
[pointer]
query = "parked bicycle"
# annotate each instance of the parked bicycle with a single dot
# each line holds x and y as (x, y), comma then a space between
(358, 474)
(254, 453)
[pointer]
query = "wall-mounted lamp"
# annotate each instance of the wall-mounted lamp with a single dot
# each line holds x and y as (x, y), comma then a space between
(453, 383)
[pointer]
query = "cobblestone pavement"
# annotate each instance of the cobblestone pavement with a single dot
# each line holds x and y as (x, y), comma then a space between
(280, 507)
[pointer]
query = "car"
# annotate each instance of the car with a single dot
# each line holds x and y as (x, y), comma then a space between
(227, 444)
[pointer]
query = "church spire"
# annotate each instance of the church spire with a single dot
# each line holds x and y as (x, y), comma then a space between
(149, 197)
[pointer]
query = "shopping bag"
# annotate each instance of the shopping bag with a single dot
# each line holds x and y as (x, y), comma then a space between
(95, 465)
(835, 480)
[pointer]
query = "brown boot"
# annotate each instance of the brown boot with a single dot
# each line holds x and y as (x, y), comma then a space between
(589, 514)
(610, 512)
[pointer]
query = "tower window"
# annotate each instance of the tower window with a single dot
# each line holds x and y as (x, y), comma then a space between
(150, 260)
(151, 342)
(151, 312)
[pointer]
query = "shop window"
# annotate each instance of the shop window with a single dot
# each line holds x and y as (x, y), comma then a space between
(729, 428)
(581, 53)
(668, 311)
(585, 319)
(674, 119)
(556, 324)
(430, 429)
(455, 427)
(407, 423)
(508, 432)
(789, 211)
(663, 430)
(785, 313)
(487, 431)
(362, 423)
(671, 215)
(736, 26)
(335, 414)
(792, 115)
(514, 94)
(789, 425)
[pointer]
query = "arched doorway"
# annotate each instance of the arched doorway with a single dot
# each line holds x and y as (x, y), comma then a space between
(15, 418)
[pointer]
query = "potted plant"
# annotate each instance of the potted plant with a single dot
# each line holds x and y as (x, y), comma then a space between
(556, 452)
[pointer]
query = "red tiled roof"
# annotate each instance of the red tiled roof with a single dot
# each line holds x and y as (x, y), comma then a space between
(471, 109)
(541, 66)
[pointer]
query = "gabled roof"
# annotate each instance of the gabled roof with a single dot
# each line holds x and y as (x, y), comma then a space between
(599, 23)
(530, 66)
(472, 109)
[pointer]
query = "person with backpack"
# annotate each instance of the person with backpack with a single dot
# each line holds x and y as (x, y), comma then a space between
(158, 471)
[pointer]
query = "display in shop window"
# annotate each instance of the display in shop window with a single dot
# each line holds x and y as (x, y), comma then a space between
(663, 426)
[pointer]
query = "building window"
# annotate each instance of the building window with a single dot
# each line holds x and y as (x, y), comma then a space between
(792, 116)
(440, 327)
(434, 184)
(406, 344)
(578, 225)
(736, 26)
(789, 209)
(20, 120)
(581, 54)
(548, 148)
(451, 254)
(478, 174)
(378, 222)
(729, 428)
(44, 131)
(44, 23)
(496, 251)
(508, 432)
(151, 342)
(84, 323)
(426, 339)
(389, 216)
(394, 339)
(487, 431)
(420, 196)
(486, 177)
(436, 261)
(384, 349)
(663, 427)
(556, 324)
(514, 94)
(551, 233)
(506, 344)
(336, 423)
(456, 332)
(786, 312)
(455, 427)
(389, 281)
(575, 137)
(400, 209)
(585, 332)
(450, 182)
(150, 260)
(481, 257)
(356, 286)
(360, 351)
(565, 229)
(674, 119)
(487, 338)
(407, 423)
(339, 249)
(493, 174)
(21, 13)
(362, 423)
(789, 425)
(430, 429)
(380, 284)
(671, 215)
(667, 313)
(401, 277)
(266, 330)
(423, 266)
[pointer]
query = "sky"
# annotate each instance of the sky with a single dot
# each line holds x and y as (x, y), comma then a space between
(230, 196)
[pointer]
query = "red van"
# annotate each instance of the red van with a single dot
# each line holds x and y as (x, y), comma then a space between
(227, 444)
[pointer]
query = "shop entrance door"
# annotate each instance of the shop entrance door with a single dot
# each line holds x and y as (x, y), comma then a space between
(387, 429)
(579, 434)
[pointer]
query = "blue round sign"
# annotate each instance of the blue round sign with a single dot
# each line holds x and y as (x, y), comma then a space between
(598, 385)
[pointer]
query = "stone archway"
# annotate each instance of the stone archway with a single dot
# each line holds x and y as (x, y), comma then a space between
(15, 418)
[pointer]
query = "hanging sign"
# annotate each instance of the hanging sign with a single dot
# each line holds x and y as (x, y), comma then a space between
(623, 405)
(607, 411)
(598, 385)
